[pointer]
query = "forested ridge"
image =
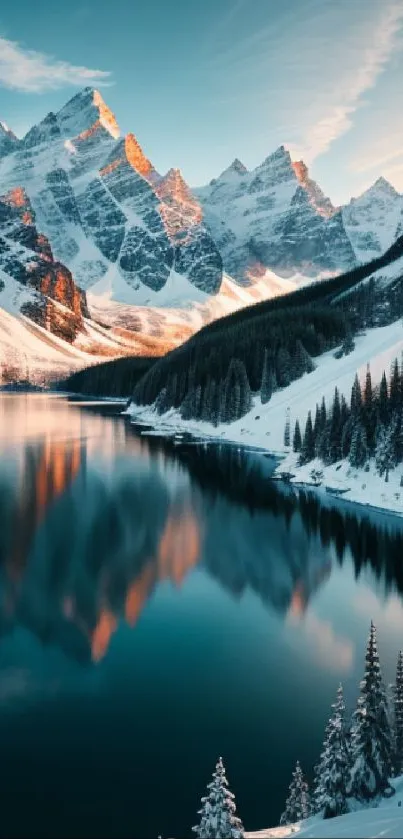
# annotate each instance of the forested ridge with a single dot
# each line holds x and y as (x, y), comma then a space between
(110, 378)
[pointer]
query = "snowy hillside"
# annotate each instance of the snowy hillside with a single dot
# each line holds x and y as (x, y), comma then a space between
(386, 820)
(263, 426)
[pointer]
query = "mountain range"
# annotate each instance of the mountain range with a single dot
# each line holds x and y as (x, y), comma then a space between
(100, 250)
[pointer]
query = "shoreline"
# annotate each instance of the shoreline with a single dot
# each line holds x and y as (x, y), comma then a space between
(170, 424)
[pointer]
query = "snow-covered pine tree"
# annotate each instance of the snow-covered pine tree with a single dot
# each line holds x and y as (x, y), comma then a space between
(297, 439)
(385, 449)
(298, 804)
(398, 716)
(330, 794)
(218, 818)
(371, 746)
(358, 448)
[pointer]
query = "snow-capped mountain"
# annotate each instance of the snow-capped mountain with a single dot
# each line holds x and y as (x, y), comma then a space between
(374, 220)
(275, 217)
(96, 198)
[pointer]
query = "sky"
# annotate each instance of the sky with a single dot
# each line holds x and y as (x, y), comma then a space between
(202, 83)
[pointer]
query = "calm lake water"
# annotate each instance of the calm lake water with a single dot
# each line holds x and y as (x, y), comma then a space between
(160, 606)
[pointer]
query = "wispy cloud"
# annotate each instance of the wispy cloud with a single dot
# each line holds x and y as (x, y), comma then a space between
(34, 72)
(372, 51)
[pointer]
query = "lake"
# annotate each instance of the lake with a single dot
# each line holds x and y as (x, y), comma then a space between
(162, 604)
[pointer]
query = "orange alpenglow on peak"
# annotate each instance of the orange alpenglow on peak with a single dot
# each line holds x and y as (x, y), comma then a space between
(301, 170)
(136, 156)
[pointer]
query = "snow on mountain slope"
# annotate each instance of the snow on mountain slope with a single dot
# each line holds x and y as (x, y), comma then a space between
(97, 199)
(274, 217)
(372, 220)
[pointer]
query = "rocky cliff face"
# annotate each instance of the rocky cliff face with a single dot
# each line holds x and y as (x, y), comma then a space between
(32, 281)
(106, 211)
(274, 217)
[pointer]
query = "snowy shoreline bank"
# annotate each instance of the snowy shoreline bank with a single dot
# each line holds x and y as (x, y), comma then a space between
(331, 491)
(263, 426)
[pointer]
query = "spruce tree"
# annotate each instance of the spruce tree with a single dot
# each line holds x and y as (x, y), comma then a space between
(298, 804)
(383, 401)
(317, 424)
(297, 439)
(218, 818)
(266, 387)
(332, 775)
(398, 716)
(356, 399)
(287, 429)
(358, 449)
(308, 445)
(385, 449)
(323, 414)
(371, 746)
(394, 387)
(335, 430)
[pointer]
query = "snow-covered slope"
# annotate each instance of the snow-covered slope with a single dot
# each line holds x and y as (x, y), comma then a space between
(101, 204)
(385, 820)
(372, 220)
(275, 217)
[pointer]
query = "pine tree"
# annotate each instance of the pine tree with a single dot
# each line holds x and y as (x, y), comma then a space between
(335, 429)
(371, 747)
(356, 399)
(385, 449)
(302, 360)
(383, 401)
(323, 414)
(369, 411)
(358, 450)
(317, 424)
(308, 445)
(283, 366)
(287, 429)
(298, 804)
(394, 388)
(267, 379)
(398, 717)
(332, 775)
(217, 814)
(297, 439)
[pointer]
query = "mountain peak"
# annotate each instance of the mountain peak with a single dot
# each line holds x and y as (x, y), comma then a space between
(316, 197)
(380, 188)
(85, 110)
(8, 140)
(235, 169)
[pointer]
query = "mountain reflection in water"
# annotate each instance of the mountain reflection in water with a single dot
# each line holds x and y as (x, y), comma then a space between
(164, 603)
(84, 546)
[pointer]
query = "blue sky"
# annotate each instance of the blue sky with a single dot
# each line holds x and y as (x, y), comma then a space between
(202, 83)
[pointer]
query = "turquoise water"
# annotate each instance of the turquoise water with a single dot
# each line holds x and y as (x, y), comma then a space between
(160, 606)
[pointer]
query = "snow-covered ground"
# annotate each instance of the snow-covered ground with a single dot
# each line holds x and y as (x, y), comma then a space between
(386, 820)
(263, 426)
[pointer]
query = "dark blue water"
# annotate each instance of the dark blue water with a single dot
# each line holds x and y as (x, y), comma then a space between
(160, 606)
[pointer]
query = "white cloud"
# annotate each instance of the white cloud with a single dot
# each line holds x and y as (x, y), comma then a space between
(370, 53)
(34, 72)
(332, 651)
